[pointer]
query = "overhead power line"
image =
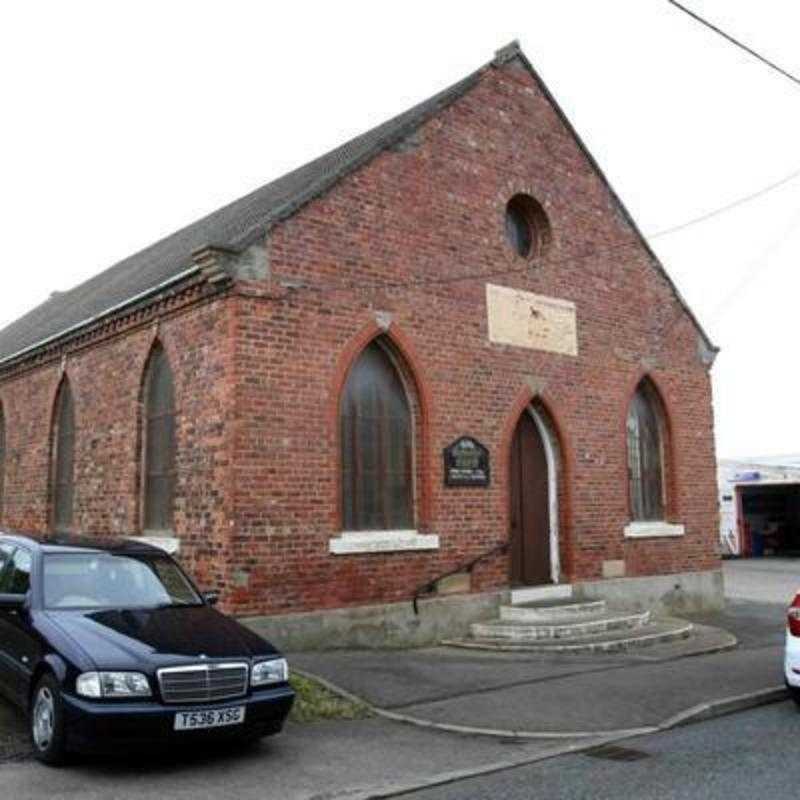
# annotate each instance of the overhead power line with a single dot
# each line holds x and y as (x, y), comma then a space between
(741, 45)
(756, 267)
(730, 206)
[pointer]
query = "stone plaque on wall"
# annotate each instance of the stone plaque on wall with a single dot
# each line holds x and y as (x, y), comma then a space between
(531, 320)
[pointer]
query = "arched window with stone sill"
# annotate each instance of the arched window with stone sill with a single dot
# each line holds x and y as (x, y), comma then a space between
(377, 444)
(158, 455)
(2, 461)
(647, 432)
(63, 460)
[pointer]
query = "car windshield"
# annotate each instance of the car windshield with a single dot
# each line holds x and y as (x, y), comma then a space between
(108, 580)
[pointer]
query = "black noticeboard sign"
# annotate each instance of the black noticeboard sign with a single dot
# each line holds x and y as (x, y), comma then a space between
(466, 463)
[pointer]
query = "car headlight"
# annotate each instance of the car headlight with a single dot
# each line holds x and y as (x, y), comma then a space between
(113, 684)
(265, 672)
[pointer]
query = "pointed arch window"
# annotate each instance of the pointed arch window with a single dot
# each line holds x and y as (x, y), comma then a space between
(646, 434)
(64, 459)
(158, 441)
(2, 460)
(377, 446)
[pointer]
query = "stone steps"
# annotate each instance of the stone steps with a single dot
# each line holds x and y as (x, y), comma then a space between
(549, 619)
(538, 594)
(567, 628)
(665, 629)
(552, 611)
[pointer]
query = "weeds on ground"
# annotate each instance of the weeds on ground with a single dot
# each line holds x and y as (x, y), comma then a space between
(315, 703)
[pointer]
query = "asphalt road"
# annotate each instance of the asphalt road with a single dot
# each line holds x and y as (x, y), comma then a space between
(349, 760)
(749, 755)
(763, 580)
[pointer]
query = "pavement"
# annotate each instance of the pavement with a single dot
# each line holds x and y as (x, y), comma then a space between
(763, 580)
(549, 696)
(351, 760)
(13, 733)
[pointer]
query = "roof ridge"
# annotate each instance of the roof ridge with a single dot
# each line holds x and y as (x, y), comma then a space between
(406, 123)
(507, 53)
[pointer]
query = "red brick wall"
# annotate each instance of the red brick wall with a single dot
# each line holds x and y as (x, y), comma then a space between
(106, 381)
(258, 375)
(435, 208)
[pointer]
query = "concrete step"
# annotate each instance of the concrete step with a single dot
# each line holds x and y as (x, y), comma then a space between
(551, 611)
(582, 624)
(535, 594)
(657, 631)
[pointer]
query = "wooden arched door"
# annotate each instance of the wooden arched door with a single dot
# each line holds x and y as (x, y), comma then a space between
(530, 506)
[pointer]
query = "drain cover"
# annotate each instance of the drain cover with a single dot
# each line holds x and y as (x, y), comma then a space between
(612, 752)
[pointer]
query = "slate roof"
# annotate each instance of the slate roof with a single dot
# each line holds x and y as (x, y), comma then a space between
(235, 226)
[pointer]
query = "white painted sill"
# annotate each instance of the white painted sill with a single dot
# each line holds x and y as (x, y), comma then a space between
(170, 544)
(652, 530)
(351, 542)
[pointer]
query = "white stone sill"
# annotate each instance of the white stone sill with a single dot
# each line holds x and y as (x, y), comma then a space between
(351, 542)
(170, 544)
(652, 530)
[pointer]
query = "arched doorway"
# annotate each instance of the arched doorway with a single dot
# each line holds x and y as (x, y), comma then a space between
(534, 502)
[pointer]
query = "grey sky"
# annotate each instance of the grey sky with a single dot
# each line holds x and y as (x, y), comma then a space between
(124, 121)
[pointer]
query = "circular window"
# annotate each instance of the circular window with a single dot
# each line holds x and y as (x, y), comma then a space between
(526, 225)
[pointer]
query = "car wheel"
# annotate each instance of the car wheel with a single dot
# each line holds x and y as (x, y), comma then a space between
(47, 722)
(795, 693)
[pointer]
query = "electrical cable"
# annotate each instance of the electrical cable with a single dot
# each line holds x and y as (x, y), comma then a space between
(771, 64)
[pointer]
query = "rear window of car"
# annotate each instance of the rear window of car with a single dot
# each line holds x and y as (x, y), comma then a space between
(107, 580)
(5, 556)
(15, 575)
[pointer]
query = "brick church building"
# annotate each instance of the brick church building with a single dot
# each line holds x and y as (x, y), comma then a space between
(444, 342)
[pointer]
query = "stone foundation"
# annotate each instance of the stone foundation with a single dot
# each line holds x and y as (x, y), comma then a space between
(394, 625)
(682, 593)
(386, 626)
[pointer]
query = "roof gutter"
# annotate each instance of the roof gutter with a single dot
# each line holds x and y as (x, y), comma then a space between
(108, 312)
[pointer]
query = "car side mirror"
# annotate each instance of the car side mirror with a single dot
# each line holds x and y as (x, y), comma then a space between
(210, 598)
(12, 602)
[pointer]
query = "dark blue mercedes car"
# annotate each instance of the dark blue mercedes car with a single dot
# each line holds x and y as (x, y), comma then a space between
(108, 645)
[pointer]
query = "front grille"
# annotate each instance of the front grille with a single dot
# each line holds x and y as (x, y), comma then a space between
(202, 683)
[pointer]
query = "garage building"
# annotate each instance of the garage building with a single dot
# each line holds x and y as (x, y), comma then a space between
(760, 506)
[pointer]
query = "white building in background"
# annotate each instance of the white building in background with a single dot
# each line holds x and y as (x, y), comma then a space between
(759, 501)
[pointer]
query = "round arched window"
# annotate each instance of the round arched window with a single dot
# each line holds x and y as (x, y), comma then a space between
(526, 225)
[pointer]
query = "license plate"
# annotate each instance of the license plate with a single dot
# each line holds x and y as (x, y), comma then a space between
(218, 718)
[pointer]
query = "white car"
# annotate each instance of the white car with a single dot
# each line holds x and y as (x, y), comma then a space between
(792, 658)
